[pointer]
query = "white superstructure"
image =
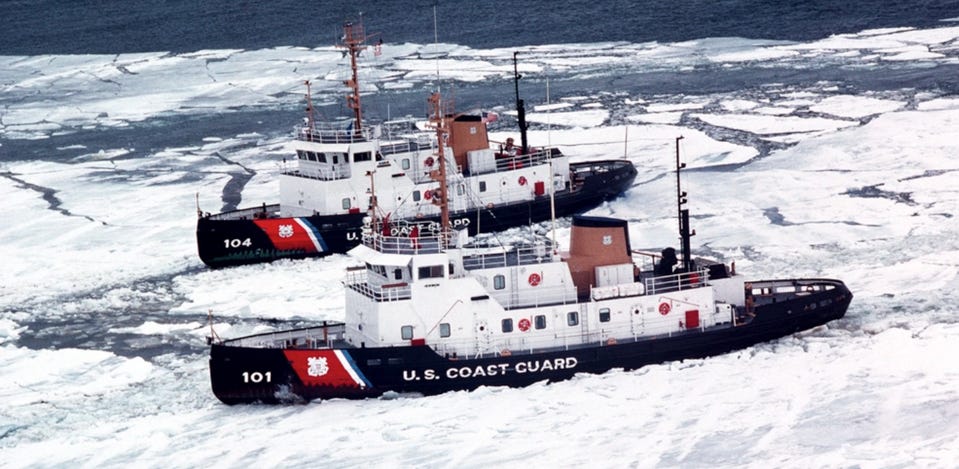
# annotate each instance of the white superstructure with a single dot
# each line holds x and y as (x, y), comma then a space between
(466, 300)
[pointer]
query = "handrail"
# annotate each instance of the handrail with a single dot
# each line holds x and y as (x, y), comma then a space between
(359, 281)
(675, 282)
(421, 244)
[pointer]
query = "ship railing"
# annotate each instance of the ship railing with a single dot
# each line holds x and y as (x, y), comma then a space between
(358, 281)
(526, 255)
(534, 340)
(599, 167)
(675, 282)
(772, 291)
(574, 337)
(313, 337)
(321, 174)
(508, 163)
(263, 211)
(534, 297)
(409, 145)
(322, 132)
(421, 244)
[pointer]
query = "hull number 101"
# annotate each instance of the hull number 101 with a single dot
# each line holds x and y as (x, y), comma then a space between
(257, 377)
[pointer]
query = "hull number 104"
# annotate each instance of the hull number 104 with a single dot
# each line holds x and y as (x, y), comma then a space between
(236, 242)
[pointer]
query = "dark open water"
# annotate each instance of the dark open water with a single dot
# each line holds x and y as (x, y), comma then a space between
(32, 27)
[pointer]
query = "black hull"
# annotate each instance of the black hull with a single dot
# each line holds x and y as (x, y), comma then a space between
(418, 369)
(224, 241)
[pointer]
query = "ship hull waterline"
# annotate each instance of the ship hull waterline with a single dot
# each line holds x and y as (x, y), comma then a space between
(419, 370)
(231, 242)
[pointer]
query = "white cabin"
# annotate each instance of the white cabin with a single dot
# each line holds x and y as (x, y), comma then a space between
(337, 170)
(476, 300)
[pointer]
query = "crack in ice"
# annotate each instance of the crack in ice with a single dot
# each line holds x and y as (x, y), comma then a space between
(48, 195)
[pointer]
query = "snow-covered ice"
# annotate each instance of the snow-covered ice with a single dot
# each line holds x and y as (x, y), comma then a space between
(103, 301)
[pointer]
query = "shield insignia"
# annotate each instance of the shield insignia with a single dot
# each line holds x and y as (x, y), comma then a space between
(317, 366)
(286, 231)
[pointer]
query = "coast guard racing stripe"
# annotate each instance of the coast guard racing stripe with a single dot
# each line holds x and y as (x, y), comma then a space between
(326, 368)
(289, 234)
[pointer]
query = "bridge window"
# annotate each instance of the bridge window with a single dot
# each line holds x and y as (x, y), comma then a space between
(321, 157)
(507, 325)
(406, 332)
(572, 318)
(540, 321)
(405, 163)
(346, 203)
(482, 186)
(499, 282)
(335, 158)
(362, 156)
(397, 274)
(604, 315)
(431, 271)
(444, 329)
(416, 196)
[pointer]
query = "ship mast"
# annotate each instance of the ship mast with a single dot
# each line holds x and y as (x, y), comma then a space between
(684, 232)
(310, 115)
(352, 41)
(438, 121)
(520, 108)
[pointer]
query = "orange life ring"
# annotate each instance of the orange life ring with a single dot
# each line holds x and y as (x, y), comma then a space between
(534, 279)
(428, 194)
(664, 308)
(522, 180)
(429, 161)
(523, 324)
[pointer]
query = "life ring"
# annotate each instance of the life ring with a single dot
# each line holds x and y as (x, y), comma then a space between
(428, 194)
(534, 279)
(523, 324)
(611, 341)
(693, 278)
(505, 352)
(429, 161)
(522, 180)
(664, 308)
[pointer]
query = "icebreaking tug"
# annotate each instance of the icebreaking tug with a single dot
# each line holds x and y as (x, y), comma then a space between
(324, 200)
(430, 314)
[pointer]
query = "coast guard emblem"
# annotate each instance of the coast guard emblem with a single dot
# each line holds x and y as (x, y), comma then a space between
(286, 231)
(607, 240)
(317, 366)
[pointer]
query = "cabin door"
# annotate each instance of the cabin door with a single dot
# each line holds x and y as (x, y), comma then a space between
(636, 319)
(483, 334)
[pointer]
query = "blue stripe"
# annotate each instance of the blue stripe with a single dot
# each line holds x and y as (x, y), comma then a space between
(356, 368)
(316, 233)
